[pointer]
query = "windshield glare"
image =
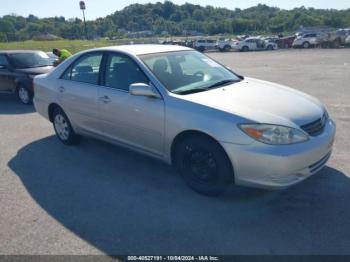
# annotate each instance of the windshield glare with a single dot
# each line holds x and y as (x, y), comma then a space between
(30, 60)
(184, 71)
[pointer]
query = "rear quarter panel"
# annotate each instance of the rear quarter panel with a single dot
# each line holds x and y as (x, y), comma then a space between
(44, 94)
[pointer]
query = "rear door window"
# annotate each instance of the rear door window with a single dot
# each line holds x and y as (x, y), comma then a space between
(86, 69)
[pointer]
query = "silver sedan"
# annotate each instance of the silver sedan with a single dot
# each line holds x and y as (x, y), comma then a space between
(176, 104)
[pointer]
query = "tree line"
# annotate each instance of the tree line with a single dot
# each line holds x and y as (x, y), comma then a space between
(169, 19)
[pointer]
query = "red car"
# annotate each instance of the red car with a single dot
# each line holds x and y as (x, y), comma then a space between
(286, 42)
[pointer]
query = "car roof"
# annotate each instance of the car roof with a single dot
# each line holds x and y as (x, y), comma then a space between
(144, 49)
(18, 51)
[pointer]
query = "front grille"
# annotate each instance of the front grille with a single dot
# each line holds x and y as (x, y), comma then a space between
(315, 128)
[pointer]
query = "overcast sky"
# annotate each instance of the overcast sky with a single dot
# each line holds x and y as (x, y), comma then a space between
(100, 8)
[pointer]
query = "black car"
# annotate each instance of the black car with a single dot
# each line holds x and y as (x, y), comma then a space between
(17, 70)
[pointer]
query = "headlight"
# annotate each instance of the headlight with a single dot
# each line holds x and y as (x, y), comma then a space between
(274, 134)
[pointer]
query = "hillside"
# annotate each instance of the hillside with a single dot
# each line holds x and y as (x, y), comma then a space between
(170, 19)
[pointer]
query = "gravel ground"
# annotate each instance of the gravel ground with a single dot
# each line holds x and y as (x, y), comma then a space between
(101, 199)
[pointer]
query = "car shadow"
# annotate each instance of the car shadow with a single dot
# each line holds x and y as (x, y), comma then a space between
(9, 104)
(125, 203)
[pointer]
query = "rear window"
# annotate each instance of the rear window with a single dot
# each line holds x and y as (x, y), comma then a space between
(29, 60)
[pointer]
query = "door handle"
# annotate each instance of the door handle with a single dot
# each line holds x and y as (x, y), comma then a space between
(105, 99)
(61, 89)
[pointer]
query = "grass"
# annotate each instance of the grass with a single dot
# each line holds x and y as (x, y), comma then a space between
(72, 45)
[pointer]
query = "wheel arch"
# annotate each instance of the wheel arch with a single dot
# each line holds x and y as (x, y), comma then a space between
(51, 110)
(186, 134)
(20, 82)
(245, 47)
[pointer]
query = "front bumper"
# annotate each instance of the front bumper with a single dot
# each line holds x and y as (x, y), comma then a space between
(273, 167)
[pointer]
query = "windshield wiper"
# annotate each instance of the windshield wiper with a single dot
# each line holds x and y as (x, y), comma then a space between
(190, 91)
(202, 89)
(222, 83)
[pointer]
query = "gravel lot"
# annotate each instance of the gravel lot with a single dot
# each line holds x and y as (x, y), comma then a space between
(101, 199)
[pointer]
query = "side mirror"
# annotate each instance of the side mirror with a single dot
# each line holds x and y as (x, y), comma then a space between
(141, 89)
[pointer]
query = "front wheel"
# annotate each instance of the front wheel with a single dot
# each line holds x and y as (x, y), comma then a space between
(204, 165)
(24, 95)
(306, 45)
(63, 128)
(245, 49)
(227, 48)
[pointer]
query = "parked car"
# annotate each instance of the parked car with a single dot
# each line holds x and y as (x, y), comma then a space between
(178, 105)
(271, 39)
(54, 60)
(286, 42)
(254, 44)
(347, 41)
(205, 44)
(190, 43)
(307, 40)
(226, 45)
(17, 70)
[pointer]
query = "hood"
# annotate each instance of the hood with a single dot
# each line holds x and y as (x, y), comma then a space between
(35, 70)
(262, 102)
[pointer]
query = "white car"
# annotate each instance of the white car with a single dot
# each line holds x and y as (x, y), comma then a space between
(205, 44)
(306, 41)
(227, 44)
(180, 106)
(254, 44)
(347, 41)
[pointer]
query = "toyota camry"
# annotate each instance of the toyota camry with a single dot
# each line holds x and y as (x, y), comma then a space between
(173, 103)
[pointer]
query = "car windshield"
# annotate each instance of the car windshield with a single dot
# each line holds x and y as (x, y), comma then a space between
(186, 72)
(30, 60)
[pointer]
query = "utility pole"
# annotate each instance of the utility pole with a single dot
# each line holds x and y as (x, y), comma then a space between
(82, 8)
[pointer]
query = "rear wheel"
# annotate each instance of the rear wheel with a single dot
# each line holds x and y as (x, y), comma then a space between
(63, 128)
(204, 165)
(270, 47)
(24, 95)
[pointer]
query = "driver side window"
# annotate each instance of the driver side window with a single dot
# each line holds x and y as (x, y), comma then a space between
(122, 71)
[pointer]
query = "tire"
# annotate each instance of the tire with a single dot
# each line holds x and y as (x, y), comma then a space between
(245, 48)
(201, 49)
(204, 165)
(63, 128)
(306, 45)
(269, 47)
(227, 48)
(24, 95)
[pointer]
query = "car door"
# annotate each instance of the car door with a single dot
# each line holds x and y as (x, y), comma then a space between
(137, 121)
(7, 77)
(251, 44)
(78, 90)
